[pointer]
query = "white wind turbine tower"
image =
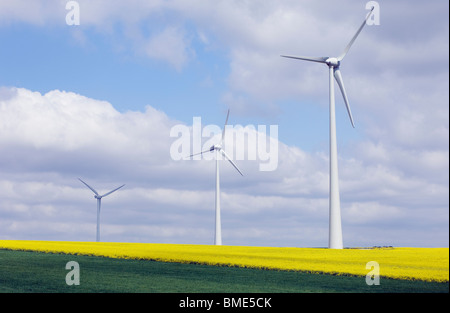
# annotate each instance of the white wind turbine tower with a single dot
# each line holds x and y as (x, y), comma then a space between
(99, 204)
(335, 227)
(219, 150)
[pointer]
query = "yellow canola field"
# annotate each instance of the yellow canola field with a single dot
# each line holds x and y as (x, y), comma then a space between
(428, 264)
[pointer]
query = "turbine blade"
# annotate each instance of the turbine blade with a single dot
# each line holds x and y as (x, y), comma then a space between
(340, 81)
(313, 59)
(231, 161)
(199, 153)
(355, 36)
(108, 193)
(224, 127)
(96, 193)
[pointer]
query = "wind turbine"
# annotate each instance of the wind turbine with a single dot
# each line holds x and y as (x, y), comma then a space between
(219, 150)
(335, 226)
(99, 204)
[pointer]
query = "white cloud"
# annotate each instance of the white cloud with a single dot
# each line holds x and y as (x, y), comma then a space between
(171, 46)
(49, 140)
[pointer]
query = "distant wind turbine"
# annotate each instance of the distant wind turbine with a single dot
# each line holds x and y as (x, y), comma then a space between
(99, 204)
(218, 148)
(335, 231)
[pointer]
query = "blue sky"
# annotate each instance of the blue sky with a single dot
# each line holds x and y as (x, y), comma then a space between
(102, 66)
(98, 100)
(98, 71)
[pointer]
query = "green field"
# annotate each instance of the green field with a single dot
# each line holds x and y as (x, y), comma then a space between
(36, 272)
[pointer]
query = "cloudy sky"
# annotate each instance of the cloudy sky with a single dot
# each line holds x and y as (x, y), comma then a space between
(100, 100)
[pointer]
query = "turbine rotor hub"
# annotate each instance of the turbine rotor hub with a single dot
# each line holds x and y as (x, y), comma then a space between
(334, 62)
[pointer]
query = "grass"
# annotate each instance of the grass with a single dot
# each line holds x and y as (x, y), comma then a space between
(36, 272)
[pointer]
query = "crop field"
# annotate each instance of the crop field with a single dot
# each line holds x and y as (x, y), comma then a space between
(424, 264)
(38, 272)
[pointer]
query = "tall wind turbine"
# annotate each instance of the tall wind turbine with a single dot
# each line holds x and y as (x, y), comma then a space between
(335, 227)
(99, 204)
(219, 150)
